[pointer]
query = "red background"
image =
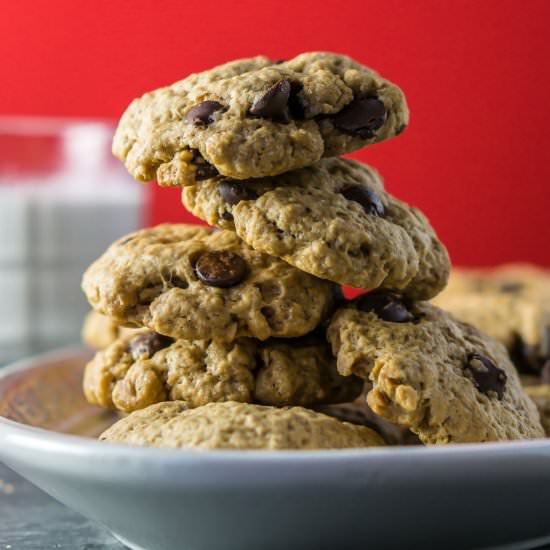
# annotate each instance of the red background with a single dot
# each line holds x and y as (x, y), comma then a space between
(476, 74)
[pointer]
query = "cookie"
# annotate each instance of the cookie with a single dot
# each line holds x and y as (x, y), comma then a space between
(444, 380)
(99, 331)
(540, 394)
(232, 425)
(191, 282)
(510, 303)
(139, 370)
(255, 117)
(333, 220)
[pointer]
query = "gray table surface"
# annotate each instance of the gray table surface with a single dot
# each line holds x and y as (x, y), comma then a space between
(30, 519)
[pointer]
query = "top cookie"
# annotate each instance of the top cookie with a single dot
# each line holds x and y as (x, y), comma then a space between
(255, 117)
(443, 379)
(332, 219)
(231, 425)
(510, 303)
(191, 282)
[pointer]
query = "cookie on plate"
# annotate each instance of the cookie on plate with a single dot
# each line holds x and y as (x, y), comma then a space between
(232, 425)
(510, 303)
(99, 331)
(145, 368)
(537, 387)
(333, 220)
(444, 380)
(540, 394)
(255, 117)
(190, 282)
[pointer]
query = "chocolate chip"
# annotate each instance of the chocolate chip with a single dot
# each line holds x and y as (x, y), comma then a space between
(274, 103)
(203, 113)
(148, 344)
(227, 216)
(511, 287)
(368, 199)
(233, 192)
(388, 306)
(279, 61)
(545, 373)
(361, 117)
(487, 376)
(296, 105)
(205, 171)
(221, 269)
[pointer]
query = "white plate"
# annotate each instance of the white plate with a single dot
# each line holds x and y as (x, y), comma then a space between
(465, 496)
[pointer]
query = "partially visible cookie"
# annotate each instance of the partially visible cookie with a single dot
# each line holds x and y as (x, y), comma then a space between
(139, 370)
(190, 282)
(443, 379)
(510, 303)
(540, 394)
(333, 220)
(255, 117)
(99, 331)
(231, 425)
(359, 412)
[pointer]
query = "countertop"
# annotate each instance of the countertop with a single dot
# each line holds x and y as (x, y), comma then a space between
(30, 519)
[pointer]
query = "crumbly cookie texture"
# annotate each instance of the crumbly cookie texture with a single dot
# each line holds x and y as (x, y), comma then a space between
(191, 282)
(255, 117)
(443, 379)
(510, 303)
(333, 220)
(139, 370)
(99, 331)
(232, 425)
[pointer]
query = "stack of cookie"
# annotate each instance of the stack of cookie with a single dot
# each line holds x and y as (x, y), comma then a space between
(240, 331)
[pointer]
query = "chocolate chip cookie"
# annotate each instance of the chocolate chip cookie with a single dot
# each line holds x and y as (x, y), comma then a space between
(510, 303)
(145, 368)
(540, 394)
(443, 379)
(99, 331)
(333, 220)
(190, 282)
(232, 425)
(256, 117)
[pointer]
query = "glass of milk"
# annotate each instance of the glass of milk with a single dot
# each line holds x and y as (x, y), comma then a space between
(63, 200)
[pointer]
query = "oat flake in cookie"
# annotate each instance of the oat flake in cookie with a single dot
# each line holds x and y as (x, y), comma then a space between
(190, 282)
(142, 369)
(232, 425)
(332, 219)
(443, 379)
(255, 117)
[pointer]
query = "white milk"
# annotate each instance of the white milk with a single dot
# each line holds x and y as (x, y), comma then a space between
(51, 228)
